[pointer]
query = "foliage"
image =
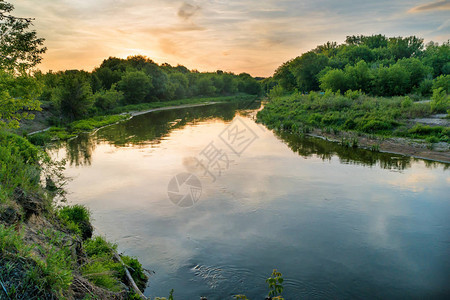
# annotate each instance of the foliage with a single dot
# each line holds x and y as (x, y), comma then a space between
(106, 100)
(77, 219)
(18, 165)
(353, 111)
(73, 95)
(135, 86)
(275, 283)
(440, 102)
(20, 48)
(18, 96)
(376, 65)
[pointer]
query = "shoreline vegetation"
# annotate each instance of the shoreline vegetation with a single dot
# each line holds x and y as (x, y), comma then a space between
(372, 87)
(381, 93)
(47, 248)
(360, 121)
(43, 136)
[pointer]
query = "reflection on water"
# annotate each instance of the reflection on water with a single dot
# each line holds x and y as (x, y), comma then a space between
(337, 222)
(148, 129)
(307, 147)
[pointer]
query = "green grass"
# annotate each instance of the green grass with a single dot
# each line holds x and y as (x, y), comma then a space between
(19, 166)
(116, 115)
(49, 270)
(77, 219)
(350, 112)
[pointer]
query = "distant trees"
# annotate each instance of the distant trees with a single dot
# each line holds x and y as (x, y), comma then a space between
(137, 79)
(135, 86)
(373, 64)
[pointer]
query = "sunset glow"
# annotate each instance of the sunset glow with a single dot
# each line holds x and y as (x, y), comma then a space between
(238, 36)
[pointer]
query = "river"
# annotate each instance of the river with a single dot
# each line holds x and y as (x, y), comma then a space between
(211, 202)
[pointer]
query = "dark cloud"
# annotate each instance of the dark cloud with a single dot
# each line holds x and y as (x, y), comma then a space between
(187, 10)
(438, 5)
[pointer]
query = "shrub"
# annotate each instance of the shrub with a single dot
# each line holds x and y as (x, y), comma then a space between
(376, 125)
(77, 219)
(440, 102)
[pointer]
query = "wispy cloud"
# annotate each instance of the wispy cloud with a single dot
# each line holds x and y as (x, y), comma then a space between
(187, 10)
(432, 6)
(253, 36)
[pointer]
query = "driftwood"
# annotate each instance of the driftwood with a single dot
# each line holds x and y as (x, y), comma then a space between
(130, 279)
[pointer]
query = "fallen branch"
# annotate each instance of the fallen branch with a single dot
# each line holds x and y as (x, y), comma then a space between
(130, 279)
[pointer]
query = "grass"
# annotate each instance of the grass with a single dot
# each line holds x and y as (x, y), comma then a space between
(39, 262)
(361, 113)
(116, 115)
(104, 271)
(44, 268)
(19, 166)
(77, 219)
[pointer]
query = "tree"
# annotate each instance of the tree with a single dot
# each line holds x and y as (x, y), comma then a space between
(359, 77)
(284, 77)
(106, 100)
(20, 48)
(73, 96)
(392, 81)
(306, 68)
(335, 80)
(416, 68)
(135, 86)
(18, 96)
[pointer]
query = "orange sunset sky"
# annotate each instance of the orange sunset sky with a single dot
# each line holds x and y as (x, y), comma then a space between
(238, 36)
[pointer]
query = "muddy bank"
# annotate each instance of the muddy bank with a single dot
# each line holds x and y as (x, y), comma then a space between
(396, 145)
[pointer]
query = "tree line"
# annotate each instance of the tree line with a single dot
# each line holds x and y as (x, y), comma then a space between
(375, 64)
(137, 79)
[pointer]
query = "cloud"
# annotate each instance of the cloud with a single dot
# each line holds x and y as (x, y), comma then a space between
(231, 35)
(432, 6)
(187, 10)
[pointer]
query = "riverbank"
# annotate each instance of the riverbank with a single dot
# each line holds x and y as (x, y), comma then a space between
(355, 120)
(49, 134)
(48, 251)
(396, 145)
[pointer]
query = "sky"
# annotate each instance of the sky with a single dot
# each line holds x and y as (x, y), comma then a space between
(252, 36)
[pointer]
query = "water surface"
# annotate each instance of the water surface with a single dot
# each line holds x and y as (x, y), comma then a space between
(337, 222)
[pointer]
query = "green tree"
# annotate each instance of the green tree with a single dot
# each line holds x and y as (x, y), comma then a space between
(18, 96)
(284, 76)
(391, 81)
(418, 71)
(359, 77)
(405, 47)
(306, 69)
(106, 100)
(437, 57)
(20, 48)
(205, 87)
(135, 85)
(73, 96)
(335, 80)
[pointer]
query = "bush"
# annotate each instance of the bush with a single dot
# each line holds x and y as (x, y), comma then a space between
(440, 102)
(373, 126)
(77, 219)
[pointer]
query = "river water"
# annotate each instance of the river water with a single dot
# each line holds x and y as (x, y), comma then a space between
(212, 202)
